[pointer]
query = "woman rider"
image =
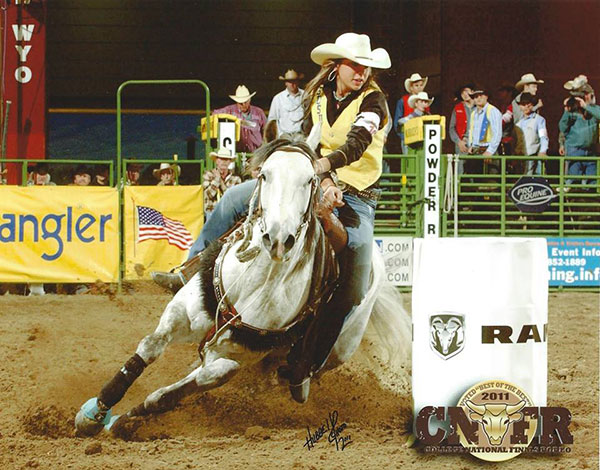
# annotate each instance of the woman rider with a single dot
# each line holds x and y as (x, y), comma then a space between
(352, 110)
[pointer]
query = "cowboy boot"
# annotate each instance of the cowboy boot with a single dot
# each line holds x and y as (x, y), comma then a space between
(176, 280)
(312, 353)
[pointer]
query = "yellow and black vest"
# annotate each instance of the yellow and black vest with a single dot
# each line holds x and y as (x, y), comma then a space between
(367, 169)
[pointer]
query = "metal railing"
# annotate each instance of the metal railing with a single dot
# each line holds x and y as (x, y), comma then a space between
(482, 203)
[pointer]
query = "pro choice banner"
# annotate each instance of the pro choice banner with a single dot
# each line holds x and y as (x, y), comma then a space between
(160, 225)
(59, 234)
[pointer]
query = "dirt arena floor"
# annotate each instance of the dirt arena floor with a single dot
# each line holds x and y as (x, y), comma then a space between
(57, 351)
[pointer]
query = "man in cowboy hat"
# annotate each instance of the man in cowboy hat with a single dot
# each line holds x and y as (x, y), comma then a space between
(484, 132)
(527, 84)
(459, 121)
(532, 135)
(166, 174)
(420, 103)
(413, 85)
(39, 176)
(134, 170)
(286, 106)
(252, 118)
(81, 176)
(219, 179)
(579, 125)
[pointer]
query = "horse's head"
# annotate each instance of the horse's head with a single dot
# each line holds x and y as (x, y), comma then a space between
(286, 194)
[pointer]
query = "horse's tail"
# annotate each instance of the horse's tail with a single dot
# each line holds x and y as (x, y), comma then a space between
(387, 338)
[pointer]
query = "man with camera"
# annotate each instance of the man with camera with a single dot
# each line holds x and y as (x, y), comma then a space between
(579, 124)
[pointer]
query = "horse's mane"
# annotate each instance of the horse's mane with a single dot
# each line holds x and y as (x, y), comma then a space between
(264, 151)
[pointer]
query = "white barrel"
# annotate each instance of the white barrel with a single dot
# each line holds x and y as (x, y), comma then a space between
(479, 312)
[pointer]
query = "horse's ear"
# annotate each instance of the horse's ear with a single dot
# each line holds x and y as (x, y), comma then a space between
(270, 132)
(314, 137)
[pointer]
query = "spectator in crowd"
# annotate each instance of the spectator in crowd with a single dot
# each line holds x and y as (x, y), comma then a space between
(286, 106)
(81, 176)
(527, 84)
(3, 173)
(419, 103)
(167, 174)
(579, 124)
(134, 171)
(252, 119)
(484, 132)
(575, 87)
(532, 135)
(39, 176)
(459, 121)
(220, 179)
(101, 178)
(413, 85)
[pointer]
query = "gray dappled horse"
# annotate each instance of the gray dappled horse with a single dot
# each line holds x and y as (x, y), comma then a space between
(269, 276)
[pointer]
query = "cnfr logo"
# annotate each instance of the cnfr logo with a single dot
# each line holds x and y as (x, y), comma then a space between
(494, 421)
(446, 334)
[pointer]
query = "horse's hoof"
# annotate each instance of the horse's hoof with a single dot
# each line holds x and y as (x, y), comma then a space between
(301, 391)
(89, 420)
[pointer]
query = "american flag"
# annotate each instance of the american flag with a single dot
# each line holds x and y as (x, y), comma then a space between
(152, 225)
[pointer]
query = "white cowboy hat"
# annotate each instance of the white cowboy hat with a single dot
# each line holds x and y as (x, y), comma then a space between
(577, 82)
(526, 79)
(415, 77)
(242, 94)
(422, 95)
(166, 166)
(354, 47)
(291, 76)
(223, 153)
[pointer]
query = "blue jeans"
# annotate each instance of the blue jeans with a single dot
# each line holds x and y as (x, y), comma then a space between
(358, 217)
(232, 206)
(587, 168)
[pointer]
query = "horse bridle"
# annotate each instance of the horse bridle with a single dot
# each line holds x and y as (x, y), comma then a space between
(226, 314)
(313, 193)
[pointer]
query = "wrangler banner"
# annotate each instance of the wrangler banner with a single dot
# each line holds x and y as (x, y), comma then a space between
(59, 234)
(160, 225)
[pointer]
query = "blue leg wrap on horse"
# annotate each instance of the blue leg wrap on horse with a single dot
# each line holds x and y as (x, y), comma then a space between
(113, 391)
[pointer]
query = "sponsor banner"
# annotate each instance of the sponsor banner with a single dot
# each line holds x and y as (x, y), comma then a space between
(574, 262)
(25, 82)
(479, 311)
(495, 420)
(160, 225)
(59, 234)
(397, 254)
(532, 194)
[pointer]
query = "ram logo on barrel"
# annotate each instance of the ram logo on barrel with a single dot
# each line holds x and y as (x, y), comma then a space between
(447, 337)
(495, 418)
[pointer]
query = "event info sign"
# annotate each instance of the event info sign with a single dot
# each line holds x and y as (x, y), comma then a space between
(574, 262)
